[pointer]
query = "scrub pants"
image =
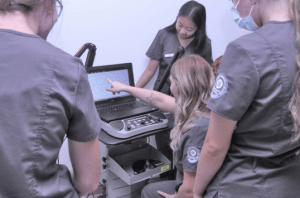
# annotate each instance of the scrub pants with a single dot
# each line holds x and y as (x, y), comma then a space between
(150, 190)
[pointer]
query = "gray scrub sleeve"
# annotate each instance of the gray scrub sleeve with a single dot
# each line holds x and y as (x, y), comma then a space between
(192, 148)
(236, 84)
(189, 149)
(155, 51)
(84, 123)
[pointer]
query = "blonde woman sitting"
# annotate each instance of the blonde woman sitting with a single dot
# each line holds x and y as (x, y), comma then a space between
(191, 82)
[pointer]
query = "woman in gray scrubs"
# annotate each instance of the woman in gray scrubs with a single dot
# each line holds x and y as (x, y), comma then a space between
(247, 151)
(188, 31)
(191, 83)
(44, 96)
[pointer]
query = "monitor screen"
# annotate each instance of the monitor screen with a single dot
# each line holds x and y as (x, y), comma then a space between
(99, 83)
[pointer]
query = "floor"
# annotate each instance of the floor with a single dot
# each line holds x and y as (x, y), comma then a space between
(98, 192)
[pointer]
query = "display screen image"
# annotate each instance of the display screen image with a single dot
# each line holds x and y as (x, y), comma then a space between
(99, 83)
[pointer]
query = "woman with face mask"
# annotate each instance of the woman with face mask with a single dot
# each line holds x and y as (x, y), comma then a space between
(247, 151)
(44, 96)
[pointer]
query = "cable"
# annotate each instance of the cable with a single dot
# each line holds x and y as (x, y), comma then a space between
(148, 140)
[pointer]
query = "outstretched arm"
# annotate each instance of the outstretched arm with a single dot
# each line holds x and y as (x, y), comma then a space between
(153, 98)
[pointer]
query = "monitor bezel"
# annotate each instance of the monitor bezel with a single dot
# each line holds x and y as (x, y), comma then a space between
(114, 67)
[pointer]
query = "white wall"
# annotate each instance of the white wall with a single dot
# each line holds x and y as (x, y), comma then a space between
(123, 31)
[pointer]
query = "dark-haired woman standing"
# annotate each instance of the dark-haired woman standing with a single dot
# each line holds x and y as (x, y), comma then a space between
(188, 31)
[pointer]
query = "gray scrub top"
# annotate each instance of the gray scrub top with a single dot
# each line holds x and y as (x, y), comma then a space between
(189, 149)
(44, 95)
(253, 87)
(162, 49)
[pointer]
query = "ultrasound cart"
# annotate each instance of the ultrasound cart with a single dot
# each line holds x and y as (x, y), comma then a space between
(128, 162)
(118, 155)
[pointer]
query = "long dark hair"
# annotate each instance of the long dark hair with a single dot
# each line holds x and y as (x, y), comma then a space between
(196, 12)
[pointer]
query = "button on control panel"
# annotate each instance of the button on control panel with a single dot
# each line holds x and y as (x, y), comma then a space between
(141, 121)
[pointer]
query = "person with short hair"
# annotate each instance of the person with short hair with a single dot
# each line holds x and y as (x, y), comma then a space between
(44, 96)
(215, 65)
(191, 83)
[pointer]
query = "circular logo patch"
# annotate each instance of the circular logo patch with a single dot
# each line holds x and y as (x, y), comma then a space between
(193, 154)
(220, 86)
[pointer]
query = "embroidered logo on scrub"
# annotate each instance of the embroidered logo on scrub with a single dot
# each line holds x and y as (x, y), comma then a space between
(193, 154)
(220, 86)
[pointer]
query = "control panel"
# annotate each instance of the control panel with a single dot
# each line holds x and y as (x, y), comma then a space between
(136, 125)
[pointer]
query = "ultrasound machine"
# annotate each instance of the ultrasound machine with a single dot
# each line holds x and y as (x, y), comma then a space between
(128, 159)
(122, 115)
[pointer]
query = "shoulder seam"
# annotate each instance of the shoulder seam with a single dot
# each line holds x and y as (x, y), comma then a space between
(284, 88)
(76, 86)
(40, 130)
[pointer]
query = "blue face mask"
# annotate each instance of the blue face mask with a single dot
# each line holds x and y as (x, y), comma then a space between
(246, 23)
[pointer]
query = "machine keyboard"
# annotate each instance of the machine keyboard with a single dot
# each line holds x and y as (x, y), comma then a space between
(121, 107)
(135, 125)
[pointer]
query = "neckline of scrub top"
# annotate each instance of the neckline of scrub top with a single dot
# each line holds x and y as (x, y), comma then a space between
(19, 33)
(279, 22)
(180, 43)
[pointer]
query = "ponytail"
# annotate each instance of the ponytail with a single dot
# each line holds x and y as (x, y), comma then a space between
(6, 5)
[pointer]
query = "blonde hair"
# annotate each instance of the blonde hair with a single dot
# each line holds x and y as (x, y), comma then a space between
(6, 5)
(194, 79)
(295, 101)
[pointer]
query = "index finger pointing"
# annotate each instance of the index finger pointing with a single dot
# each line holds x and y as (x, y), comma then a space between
(109, 80)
